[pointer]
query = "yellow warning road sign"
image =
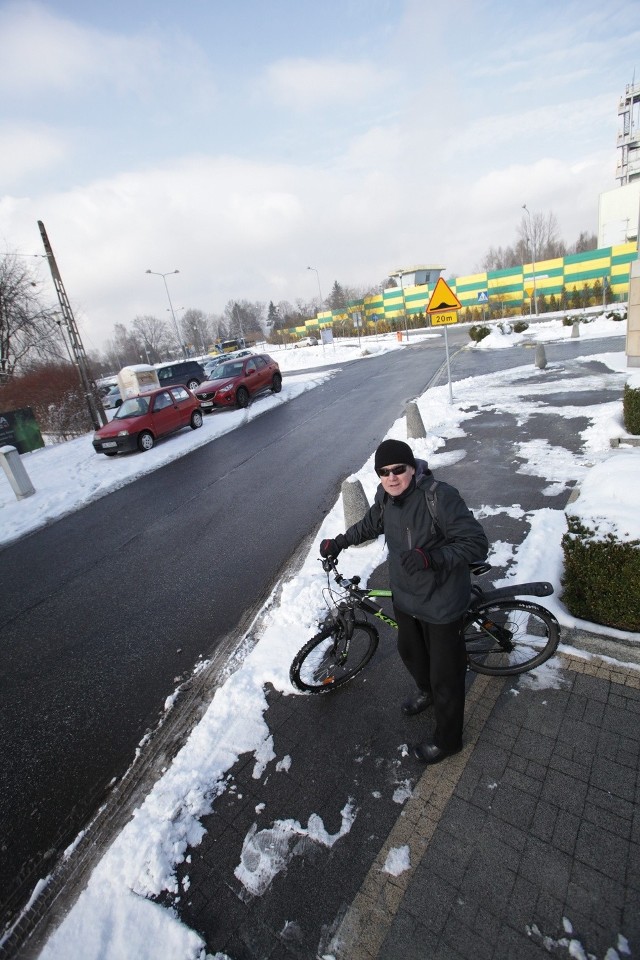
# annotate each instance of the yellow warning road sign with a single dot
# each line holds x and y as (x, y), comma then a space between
(443, 300)
(440, 318)
(529, 291)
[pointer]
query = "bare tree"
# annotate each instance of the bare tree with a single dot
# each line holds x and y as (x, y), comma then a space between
(27, 328)
(243, 317)
(586, 241)
(194, 330)
(539, 237)
(153, 336)
(216, 327)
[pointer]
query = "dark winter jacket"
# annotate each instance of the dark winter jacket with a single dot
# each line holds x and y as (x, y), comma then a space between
(441, 593)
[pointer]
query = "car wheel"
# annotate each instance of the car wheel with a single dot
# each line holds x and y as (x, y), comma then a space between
(193, 384)
(196, 420)
(276, 383)
(242, 397)
(145, 441)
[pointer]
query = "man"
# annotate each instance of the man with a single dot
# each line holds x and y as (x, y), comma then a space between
(429, 561)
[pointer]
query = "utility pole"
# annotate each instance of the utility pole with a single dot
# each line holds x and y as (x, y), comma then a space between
(94, 403)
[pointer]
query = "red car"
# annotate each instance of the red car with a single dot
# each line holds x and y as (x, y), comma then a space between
(140, 421)
(239, 379)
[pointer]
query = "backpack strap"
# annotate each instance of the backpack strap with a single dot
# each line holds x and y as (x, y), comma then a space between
(431, 498)
(432, 504)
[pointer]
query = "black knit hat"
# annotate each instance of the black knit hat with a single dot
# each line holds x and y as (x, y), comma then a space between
(394, 451)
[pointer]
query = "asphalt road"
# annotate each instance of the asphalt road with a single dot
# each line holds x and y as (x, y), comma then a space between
(110, 607)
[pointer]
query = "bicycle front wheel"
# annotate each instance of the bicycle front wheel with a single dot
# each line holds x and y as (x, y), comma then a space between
(330, 660)
(507, 637)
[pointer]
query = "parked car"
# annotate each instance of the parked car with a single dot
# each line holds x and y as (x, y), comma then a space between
(140, 421)
(210, 365)
(112, 398)
(239, 379)
(187, 372)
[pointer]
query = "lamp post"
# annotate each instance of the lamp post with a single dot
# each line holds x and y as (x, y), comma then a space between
(318, 279)
(533, 257)
(399, 275)
(175, 322)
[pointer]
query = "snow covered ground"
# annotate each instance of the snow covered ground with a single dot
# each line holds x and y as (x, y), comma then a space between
(113, 919)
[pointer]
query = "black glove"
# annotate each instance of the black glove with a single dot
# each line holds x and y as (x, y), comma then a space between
(414, 561)
(331, 548)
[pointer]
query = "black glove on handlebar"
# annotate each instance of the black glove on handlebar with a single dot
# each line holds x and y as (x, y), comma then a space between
(330, 549)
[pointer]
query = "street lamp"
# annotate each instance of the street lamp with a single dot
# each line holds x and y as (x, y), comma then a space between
(175, 322)
(533, 257)
(318, 279)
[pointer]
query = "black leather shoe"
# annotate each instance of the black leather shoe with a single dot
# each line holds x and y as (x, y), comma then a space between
(417, 704)
(429, 753)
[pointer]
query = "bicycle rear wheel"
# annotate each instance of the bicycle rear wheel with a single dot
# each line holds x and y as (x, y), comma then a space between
(507, 637)
(329, 660)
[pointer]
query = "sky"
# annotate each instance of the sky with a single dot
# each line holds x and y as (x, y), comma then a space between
(242, 143)
(113, 919)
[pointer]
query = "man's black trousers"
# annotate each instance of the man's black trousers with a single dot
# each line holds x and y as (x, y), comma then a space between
(435, 656)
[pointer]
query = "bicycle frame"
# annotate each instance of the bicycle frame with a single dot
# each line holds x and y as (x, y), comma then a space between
(375, 609)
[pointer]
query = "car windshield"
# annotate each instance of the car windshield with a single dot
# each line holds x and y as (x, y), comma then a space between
(133, 407)
(228, 370)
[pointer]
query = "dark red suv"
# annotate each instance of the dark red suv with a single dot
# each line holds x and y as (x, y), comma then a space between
(141, 420)
(239, 379)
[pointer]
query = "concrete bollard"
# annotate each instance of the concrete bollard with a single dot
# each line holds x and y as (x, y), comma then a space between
(15, 471)
(541, 357)
(354, 502)
(575, 328)
(415, 426)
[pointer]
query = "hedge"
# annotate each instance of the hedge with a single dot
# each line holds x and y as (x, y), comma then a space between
(631, 409)
(601, 577)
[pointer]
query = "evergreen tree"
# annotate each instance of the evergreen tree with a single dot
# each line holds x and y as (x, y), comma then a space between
(337, 299)
(272, 316)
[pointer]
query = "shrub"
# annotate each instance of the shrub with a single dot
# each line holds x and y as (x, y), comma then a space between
(520, 326)
(567, 321)
(631, 409)
(479, 331)
(53, 392)
(601, 577)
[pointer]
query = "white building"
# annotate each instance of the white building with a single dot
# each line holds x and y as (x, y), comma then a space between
(619, 209)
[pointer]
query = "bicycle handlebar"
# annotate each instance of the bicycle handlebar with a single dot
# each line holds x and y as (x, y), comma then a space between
(535, 589)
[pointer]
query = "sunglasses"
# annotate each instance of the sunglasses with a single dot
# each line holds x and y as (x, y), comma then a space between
(396, 471)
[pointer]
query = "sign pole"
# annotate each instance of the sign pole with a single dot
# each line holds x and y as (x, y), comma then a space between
(443, 309)
(446, 347)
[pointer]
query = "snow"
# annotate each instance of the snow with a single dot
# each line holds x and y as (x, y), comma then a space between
(113, 918)
(265, 853)
(397, 861)
(549, 331)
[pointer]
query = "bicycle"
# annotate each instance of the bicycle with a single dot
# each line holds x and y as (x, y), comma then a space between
(503, 635)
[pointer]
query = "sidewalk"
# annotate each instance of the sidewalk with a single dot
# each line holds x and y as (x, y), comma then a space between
(526, 843)
(526, 840)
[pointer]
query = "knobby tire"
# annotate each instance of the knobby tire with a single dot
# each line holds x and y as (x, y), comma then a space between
(324, 664)
(507, 637)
